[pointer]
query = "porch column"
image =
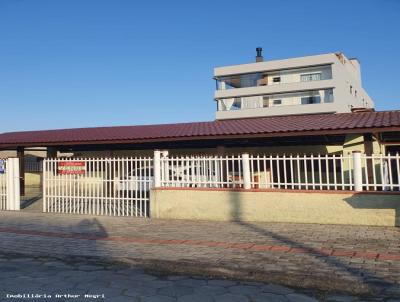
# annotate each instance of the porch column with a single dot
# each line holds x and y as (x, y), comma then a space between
(51, 152)
(369, 150)
(21, 159)
(157, 168)
(246, 171)
(110, 175)
(357, 171)
(221, 171)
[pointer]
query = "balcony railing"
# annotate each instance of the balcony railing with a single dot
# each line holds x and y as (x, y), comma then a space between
(266, 101)
(263, 79)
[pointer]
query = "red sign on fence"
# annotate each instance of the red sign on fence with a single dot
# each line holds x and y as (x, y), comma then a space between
(71, 167)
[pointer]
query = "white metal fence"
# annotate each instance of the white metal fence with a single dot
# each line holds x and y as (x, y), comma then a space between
(381, 172)
(202, 171)
(320, 172)
(301, 172)
(265, 172)
(9, 184)
(3, 184)
(98, 186)
(121, 186)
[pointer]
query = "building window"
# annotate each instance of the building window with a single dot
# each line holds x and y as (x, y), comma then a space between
(310, 77)
(238, 81)
(277, 102)
(229, 104)
(316, 99)
(265, 101)
(328, 95)
(351, 89)
(276, 79)
(355, 93)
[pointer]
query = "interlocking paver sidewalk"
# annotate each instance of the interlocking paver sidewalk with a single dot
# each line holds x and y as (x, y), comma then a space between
(356, 259)
(87, 279)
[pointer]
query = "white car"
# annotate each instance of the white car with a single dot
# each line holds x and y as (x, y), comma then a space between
(137, 180)
(143, 179)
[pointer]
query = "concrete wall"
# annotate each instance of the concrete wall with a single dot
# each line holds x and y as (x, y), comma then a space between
(345, 75)
(33, 179)
(274, 206)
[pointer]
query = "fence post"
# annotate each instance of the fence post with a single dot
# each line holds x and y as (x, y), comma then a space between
(357, 171)
(44, 184)
(17, 190)
(165, 168)
(246, 171)
(157, 168)
(13, 184)
(10, 184)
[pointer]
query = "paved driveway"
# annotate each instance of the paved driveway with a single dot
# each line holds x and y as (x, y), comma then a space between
(349, 259)
(32, 200)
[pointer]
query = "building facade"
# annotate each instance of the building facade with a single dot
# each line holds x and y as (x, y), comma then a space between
(328, 83)
(311, 106)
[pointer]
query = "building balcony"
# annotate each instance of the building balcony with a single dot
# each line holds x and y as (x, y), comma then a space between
(275, 89)
(276, 100)
(281, 110)
(277, 77)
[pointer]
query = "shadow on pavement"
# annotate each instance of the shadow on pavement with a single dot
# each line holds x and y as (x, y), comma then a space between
(29, 202)
(368, 280)
(92, 227)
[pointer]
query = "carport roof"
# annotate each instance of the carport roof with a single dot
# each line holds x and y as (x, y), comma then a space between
(274, 126)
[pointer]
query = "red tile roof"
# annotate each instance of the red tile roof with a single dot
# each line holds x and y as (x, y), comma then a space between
(265, 126)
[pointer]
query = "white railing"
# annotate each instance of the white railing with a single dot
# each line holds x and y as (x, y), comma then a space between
(202, 171)
(121, 186)
(381, 172)
(98, 186)
(355, 171)
(320, 172)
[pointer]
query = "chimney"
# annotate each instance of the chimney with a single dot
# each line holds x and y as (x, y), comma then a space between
(259, 57)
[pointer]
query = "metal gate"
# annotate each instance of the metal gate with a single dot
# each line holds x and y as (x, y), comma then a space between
(9, 184)
(98, 186)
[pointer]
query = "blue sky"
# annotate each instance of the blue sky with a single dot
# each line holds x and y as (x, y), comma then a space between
(81, 63)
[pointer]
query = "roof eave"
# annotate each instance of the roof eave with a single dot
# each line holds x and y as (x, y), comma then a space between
(205, 137)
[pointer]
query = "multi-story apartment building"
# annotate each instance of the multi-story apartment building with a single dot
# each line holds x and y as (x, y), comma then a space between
(328, 83)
